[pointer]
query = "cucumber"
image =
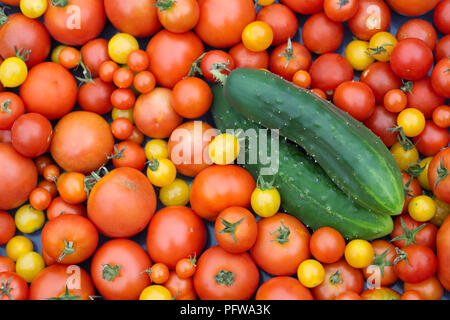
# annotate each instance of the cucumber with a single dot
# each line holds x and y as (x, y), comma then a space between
(354, 158)
(306, 191)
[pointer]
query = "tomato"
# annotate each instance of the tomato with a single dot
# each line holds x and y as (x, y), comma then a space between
(69, 57)
(340, 10)
(381, 293)
(51, 173)
(319, 92)
(136, 17)
(120, 46)
(225, 276)
(188, 145)
(175, 233)
(58, 207)
(283, 288)
(288, 241)
(179, 16)
(21, 32)
(171, 55)
(441, 116)
(339, 277)
(15, 3)
(129, 154)
(19, 176)
(348, 295)
(409, 231)
(13, 72)
(118, 270)
(358, 55)
(175, 194)
(371, 17)
(395, 100)
(144, 82)
(441, 16)
(155, 292)
(381, 45)
(41, 162)
(379, 122)
(75, 22)
(138, 60)
(224, 149)
(355, 98)
(136, 136)
(94, 142)
(430, 289)
(302, 79)
(31, 134)
(244, 58)
(122, 203)
(186, 267)
(117, 113)
(123, 98)
(54, 56)
(415, 263)
(29, 265)
(438, 175)
(411, 295)
(40, 198)
(71, 187)
(330, 70)
(161, 172)
(266, 199)
(442, 49)
(423, 97)
(380, 78)
(310, 273)
(442, 212)
(216, 63)
(412, 122)
(219, 187)
(7, 227)
(440, 78)
(359, 253)
(419, 29)
(423, 175)
(123, 78)
(156, 149)
(412, 8)
(286, 59)
(227, 19)
(49, 186)
(404, 155)
(191, 98)
(257, 36)
(327, 245)
(95, 96)
(7, 265)
(13, 287)
(18, 246)
(158, 273)
(94, 53)
(29, 219)
(411, 59)
(432, 139)
(106, 70)
(281, 20)
(12, 107)
(381, 271)
(443, 253)
(181, 289)
(304, 7)
(320, 34)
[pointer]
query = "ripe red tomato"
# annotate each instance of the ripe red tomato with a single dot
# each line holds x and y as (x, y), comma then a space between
(419, 29)
(191, 98)
(31, 134)
(432, 139)
(443, 253)
(49, 186)
(441, 116)
(442, 49)
(75, 22)
(372, 16)
(281, 19)
(94, 53)
(379, 122)
(11, 2)
(286, 60)
(380, 78)
(40, 198)
(7, 227)
(58, 207)
(440, 78)
(305, 6)
(123, 98)
(95, 96)
(49, 90)
(71, 187)
(418, 263)
(144, 82)
(283, 288)
(122, 128)
(14, 287)
(225, 276)
(219, 187)
(244, 58)
(12, 107)
(7, 264)
(411, 59)
(172, 54)
(106, 70)
(423, 97)
(213, 59)
(123, 77)
(412, 7)
(381, 271)
(130, 155)
(441, 16)
(122, 203)
(438, 175)
(409, 232)
(355, 98)
(341, 10)
(181, 289)
(138, 60)
(327, 245)
(430, 289)
(179, 16)
(381, 293)
(320, 34)
(221, 23)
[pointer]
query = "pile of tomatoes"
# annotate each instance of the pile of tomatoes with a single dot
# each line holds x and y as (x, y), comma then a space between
(96, 128)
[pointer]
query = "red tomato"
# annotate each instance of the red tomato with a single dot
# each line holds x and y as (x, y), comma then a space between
(443, 253)
(122, 203)
(7, 264)
(136, 17)
(330, 70)
(130, 155)
(75, 22)
(412, 7)
(213, 59)
(191, 97)
(281, 19)
(423, 97)
(340, 10)
(441, 16)
(411, 59)
(71, 187)
(440, 78)
(94, 53)
(225, 276)
(219, 187)
(380, 294)
(144, 82)
(412, 189)
(221, 23)
(381, 271)
(417, 263)
(106, 70)
(13, 287)
(69, 57)
(244, 58)
(327, 245)
(372, 16)
(430, 289)
(118, 270)
(442, 49)
(22, 32)
(410, 231)
(7, 227)
(122, 128)
(380, 78)
(31, 135)
(441, 116)
(175, 233)
(286, 60)
(438, 175)
(5, 136)
(123, 77)
(11, 2)
(40, 198)
(305, 6)
(181, 289)
(58, 207)
(283, 288)
(172, 54)
(355, 98)
(178, 16)
(95, 96)
(12, 107)
(49, 186)
(123, 98)
(419, 29)
(138, 60)
(320, 34)
(432, 139)
(379, 122)
(18, 176)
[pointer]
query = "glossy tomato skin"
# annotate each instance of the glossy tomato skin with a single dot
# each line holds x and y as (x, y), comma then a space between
(440, 78)
(340, 10)
(423, 97)
(441, 189)
(281, 19)
(131, 279)
(380, 78)
(76, 23)
(22, 32)
(94, 53)
(379, 122)
(443, 253)
(175, 233)
(19, 176)
(212, 57)
(7, 228)
(122, 203)
(304, 7)
(320, 34)
(373, 272)
(420, 29)
(382, 293)
(283, 288)
(19, 286)
(58, 206)
(422, 264)
(426, 236)
(244, 58)
(51, 283)
(133, 156)
(15, 106)
(181, 289)
(95, 97)
(219, 187)
(191, 97)
(372, 16)
(430, 289)
(221, 23)
(7, 264)
(356, 98)
(441, 16)
(412, 8)
(432, 139)
(215, 261)
(442, 49)
(411, 59)
(302, 60)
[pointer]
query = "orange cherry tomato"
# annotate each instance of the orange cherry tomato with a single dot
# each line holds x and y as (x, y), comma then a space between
(302, 79)
(107, 70)
(138, 60)
(40, 198)
(123, 78)
(395, 100)
(51, 173)
(71, 187)
(122, 128)
(144, 82)
(69, 57)
(123, 98)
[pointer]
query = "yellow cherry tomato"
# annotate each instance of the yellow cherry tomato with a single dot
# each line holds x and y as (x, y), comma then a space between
(29, 265)
(156, 149)
(310, 273)
(18, 246)
(161, 172)
(155, 292)
(257, 36)
(120, 46)
(175, 194)
(33, 8)
(13, 72)
(356, 53)
(264, 2)
(423, 176)
(224, 149)
(359, 253)
(412, 121)
(265, 201)
(422, 208)
(29, 219)
(404, 158)
(118, 113)
(56, 52)
(442, 212)
(381, 45)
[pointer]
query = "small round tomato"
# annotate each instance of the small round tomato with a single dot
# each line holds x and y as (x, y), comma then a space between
(340, 10)
(355, 98)
(430, 289)
(407, 231)
(13, 287)
(122, 128)
(40, 198)
(11, 108)
(441, 116)
(422, 208)
(357, 54)
(432, 139)
(128, 154)
(310, 273)
(123, 98)
(29, 265)
(136, 136)
(178, 16)
(96, 96)
(55, 53)
(33, 8)
(7, 264)
(224, 149)
(266, 199)
(186, 267)
(283, 288)
(71, 187)
(156, 149)
(415, 263)
(144, 82)
(419, 29)
(161, 172)
(319, 92)
(215, 64)
(158, 273)
(395, 100)
(244, 58)
(69, 57)
(379, 123)
(320, 34)
(31, 134)
(302, 79)
(93, 54)
(41, 162)
(281, 20)
(155, 292)
(371, 17)
(411, 59)
(18, 246)
(123, 78)
(440, 78)
(381, 271)
(51, 173)
(29, 219)
(359, 253)
(441, 16)
(412, 121)
(7, 227)
(13, 72)
(107, 70)
(405, 156)
(191, 98)
(175, 194)
(438, 175)
(286, 59)
(380, 78)
(423, 97)
(327, 245)
(381, 45)
(58, 207)
(138, 60)
(120, 46)
(257, 36)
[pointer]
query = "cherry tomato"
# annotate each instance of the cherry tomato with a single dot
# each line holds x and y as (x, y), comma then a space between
(441, 16)
(107, 70)
(7, 265)
(441, 116)
(438, 175)
(186, 267)
(33, 8)
(411, 295)
(40, 198)
(138, 60)
(95, 96)
(423, 97)
(415, 263)
(411, 59)
(50, 186)
(7, 227)
(358, 55)
(13, 72)
(178, 16)
(123, 99)
(381, 45)
(93, 54)
(404, 155)
(371, 17)
(310, 273)
(265, 199)
(123, 78)
(281, 20)
(122, 128)
(181, 289)
(340, 10)
(432, 139)
(283, 288)
(129, 154)
(412, 8)
(175, 194)
(381, 293)
(379, 122)
(257, 36)
(422, 208)
(320, 34)
(216, 63)
(159, 273)
(191, 98)
(359, 253)
(327, 245)
(355, 98)
(395, 100)
(144, 82)
(409, 231)
(419, 29)
(58, 207)
(302, 79)
(381, 271)
(11, 108)
(430, 289)
(287, 59)
(71, 187)
(442, 49)
(440, 78)
(31, 134)
(412, 121)
(69, 57)
(380, 78)
(244, 58)
(120, 46)
(29, 265)
(224, 149)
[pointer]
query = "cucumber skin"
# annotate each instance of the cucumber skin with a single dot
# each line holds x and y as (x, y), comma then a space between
(306, 191)
(352, 156)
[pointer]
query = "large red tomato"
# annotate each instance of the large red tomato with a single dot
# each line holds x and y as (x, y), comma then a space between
(172, 54)
(411, 59)
(438, 175)
(75, 22)
(443, 253)
(50, 90)
(221, 22)
(136, 17)
(320, 34)
(81, 142)
(412, 7)
(122, 203)
(24, 33)
(175, 233)
(283, 288)
(18, 176)
(12, 107)
(304, 6)
(380, 78)
(372, 16)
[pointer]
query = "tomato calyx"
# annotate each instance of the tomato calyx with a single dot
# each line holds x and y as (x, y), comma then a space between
(110, 272)
(288, 53)
(225, 277)
(336, 278)
(378, 50)
(415, 170)
(164, 5)
(216, 71)
(117, 154)
(193, 260)
(282, 234)
(264, 185)
(5, 288)
(66, 296)
(5, 106)
(59, 3)
(230, 228)
(87, 76)
(404, 141)
(68, 249)
(93, 178)
(22, 53)
(195, 67)
(380, 261)
(3, 17)
(406, 190)
(442, 172)
(407, 86)
(153, 164)
(402, 255)
(409, 234)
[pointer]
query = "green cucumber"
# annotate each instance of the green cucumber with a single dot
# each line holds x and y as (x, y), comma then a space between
(306, 191)
(352, 156)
